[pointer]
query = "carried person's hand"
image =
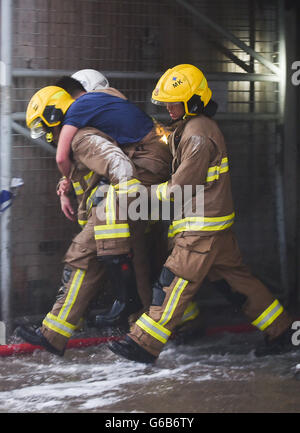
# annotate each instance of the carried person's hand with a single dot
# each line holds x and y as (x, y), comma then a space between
(67, 207)
(64, 186)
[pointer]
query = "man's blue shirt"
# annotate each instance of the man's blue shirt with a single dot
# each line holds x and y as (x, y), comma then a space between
(120, 119)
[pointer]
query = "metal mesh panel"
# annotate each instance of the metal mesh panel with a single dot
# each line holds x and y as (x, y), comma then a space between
(125, 39)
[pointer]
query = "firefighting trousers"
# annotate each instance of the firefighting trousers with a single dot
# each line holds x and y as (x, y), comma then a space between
(192, 259)
(83, 277)
(111, 223)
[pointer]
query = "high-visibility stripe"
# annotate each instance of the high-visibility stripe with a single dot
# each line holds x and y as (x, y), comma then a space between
(124, 185)
(80, 323)
(89, 201)
(60, 326)
(82, 223)
(87, 177)
(72, 294)
(200, 224)
(173, 301)
(112, 231)
(153, 328)
(161, 191)
(110, 206)
(129, 190)
(213, 173)
(127, 187)
(190, 313)
(77, 188)
(268, 316)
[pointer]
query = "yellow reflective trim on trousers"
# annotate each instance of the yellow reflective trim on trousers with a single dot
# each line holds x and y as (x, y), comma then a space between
(60, 326)
(191, 312)
(153, 328)
(213, 173)
(161, 191)
(112, 231)
(201, 224)
(110, 208)
(80, 323)
(77, 188)
(268, 316)
(173, 301)
(72, 294)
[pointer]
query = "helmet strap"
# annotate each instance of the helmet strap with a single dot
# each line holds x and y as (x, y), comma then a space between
(49, 137)
(195, 105)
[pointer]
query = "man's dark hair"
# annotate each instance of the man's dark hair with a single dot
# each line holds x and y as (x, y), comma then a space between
(70, 85)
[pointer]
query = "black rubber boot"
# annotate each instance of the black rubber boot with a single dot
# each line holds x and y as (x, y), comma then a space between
(129, 349)
(277, 346)
(122, 276)
(35, 337)
(115, 316)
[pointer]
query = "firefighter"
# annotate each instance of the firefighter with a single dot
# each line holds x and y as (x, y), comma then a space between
(83, 274)
(102, 155)
(92, 80)
(204, 244)
(97, 158)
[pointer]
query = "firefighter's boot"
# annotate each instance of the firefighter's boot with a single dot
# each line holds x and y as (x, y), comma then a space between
(129, 349)
(35, 337)
(276, 346)
(127, 301)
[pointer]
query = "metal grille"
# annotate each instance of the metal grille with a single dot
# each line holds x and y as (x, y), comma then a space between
(132, 42)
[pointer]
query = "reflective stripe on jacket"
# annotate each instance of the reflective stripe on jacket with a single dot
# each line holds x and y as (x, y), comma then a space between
(200, 158)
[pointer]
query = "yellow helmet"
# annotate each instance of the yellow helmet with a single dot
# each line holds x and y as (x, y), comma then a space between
(181, 84)
(46, 109)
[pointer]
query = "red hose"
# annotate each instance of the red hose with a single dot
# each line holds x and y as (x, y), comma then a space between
(18, 349)
(235, 329)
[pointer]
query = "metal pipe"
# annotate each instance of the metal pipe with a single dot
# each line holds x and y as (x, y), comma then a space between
(278, 165)
(25, 132)
(238, 117)
(217, 76)
(5, 165)
(23, 72)
(236, 41)
(237, 76)
(282, 59)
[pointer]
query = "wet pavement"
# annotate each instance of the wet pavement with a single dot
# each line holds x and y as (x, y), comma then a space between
(217, 374)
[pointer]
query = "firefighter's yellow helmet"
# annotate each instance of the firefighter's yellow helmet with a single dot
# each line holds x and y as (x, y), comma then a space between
(46, 109)
(180, 84)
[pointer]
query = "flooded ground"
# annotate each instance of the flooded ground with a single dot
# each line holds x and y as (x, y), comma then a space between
(215, 374)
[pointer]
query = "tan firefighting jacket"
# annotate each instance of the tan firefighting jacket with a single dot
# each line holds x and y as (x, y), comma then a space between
(147, 162)
(200, 158)
(95, 156)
